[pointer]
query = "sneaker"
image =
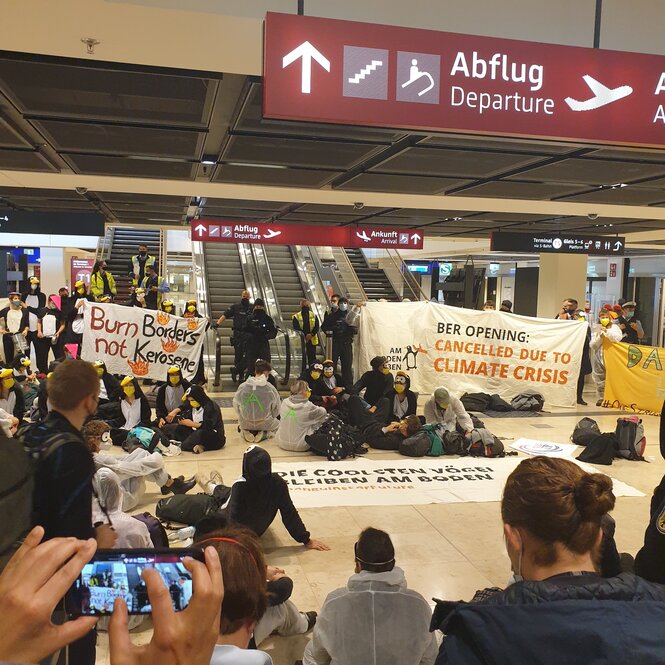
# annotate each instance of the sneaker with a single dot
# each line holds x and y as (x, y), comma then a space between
(202, 481)
(247, 436)
(182, 486)
(311, 620)
(216, 478)
(197, 450)
(361, 450)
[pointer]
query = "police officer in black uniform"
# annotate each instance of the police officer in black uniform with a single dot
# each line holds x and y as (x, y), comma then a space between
(334, 323)
(239, 314)
(259, 330)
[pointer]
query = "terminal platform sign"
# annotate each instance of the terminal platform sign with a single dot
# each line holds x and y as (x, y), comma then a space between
(324, 70)
(557, 244)
(264, 233)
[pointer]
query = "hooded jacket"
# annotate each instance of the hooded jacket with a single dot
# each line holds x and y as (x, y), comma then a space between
(212, 423)
(259, 494)
(561, 620)
(411, 402)
(145, 412)
(298, 418)
(374, 620)
(112, 386)
(174, 393)
(375, 382)
(455, 414)
(257, 404)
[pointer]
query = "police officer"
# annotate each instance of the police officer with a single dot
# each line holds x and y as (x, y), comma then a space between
(260, 329)
(335, 324)
(137, 264)
(307, 323)
(154, 285)
(239, 313)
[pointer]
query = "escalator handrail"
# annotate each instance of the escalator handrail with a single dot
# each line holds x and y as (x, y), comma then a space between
(218, 358)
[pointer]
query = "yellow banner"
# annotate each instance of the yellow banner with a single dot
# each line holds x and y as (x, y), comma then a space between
(635, 378)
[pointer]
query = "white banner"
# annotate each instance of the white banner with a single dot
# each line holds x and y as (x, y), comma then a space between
(141, 342)
(467, 350)
(367, 482)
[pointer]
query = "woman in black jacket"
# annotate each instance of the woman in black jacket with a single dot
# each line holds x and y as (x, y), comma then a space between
(11, 394)
(200, 426)
(110, 393)
(403, 401)
(377, 382)
(170, 397)
(134, 411)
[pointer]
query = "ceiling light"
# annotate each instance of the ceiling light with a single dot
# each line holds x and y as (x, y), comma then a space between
(259, 166)
(209, 160)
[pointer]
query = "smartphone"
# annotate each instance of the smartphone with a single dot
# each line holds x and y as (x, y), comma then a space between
(117, 573)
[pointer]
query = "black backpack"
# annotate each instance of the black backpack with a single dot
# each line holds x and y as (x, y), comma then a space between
(529, 400)
(585, 432)
(482, 443)
(632, 442)
(454, 443)
(156, 529)
(334, 439)
(475, 401)
(186, 508)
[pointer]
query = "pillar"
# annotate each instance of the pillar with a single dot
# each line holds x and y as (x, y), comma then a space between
(614, 283)
(53, 274)
(560, 276)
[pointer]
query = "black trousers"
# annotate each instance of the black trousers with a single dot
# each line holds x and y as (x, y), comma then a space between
(189, 437)
(311, 353)
(240, 355)
(342, 350)
(8, 348)
(371, 424)
(256, 351)
(42, 348)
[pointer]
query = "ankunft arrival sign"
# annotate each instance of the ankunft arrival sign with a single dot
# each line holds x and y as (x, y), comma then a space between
(325, 70)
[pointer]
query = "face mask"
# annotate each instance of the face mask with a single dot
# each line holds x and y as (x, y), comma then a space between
(168, 309)
(343, 307)
(628, 315)
(16, 303)
(129, 390)
(333, 305)
(8, 383)
(51, 305)
(80, 291)
(328, 371)
(443, 407)
(65, 294)
(308, 394)
(142, 253)
(245, 301)
(140, 298)
(385, 370)
(399, 388)
(315, 375)
(304, 307)
(194, 404)
(100, 372)
(191, 308)
(174, 380)
(604, 322)
(33, 287)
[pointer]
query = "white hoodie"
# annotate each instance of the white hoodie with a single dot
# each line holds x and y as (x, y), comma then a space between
(257, 404)
(299, 418)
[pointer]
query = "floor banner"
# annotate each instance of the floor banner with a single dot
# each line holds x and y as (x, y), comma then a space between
(475, 351)
(635, 380)
(407, 481)
(141, 342)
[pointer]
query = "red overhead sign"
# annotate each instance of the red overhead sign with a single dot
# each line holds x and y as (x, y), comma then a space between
(263, 233)
(324, 70)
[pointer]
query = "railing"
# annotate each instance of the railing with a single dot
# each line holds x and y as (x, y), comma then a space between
(104, 244)
(354, 289)
(218, 359)
(404, 283)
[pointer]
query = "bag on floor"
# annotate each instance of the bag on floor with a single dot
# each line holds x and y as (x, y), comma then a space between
(416, 445)
(482, 443)
(497, 403)
(529, 400)
(454, 443)
(585, 432)
(602, 450)
(475, 401)
(333, 440)
(146, 438)
(632, 441)
(156, 529)
(186, 508)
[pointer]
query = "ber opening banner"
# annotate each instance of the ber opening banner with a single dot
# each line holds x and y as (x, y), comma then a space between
(141, 342)
(475, 351)
(635, 379)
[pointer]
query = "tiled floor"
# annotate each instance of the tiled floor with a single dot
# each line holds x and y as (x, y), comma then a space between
(447, 550)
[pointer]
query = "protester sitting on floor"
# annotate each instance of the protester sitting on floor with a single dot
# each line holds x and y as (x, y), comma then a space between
(110, 393)
(282, 617)
(11, 394)
(552, 511)
(445, 409)
(108, 493)
(311, 376)
(257, 496)
(257, 404)
(199, 426)
(134, 468)
(609, 330)
(376, 383)
(245, 596)
(403, 401)
(25, 379)
(375, 618)
(168, 404)
(330, 386)
(372, 426)
(8, 424)
(299, 418)
(134, 411)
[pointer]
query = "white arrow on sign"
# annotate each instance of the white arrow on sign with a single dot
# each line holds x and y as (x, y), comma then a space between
(200, 229)
(308, 53)
(272, 234)
(5, 218)
(415, 237)
(363, 236)
(618, 245)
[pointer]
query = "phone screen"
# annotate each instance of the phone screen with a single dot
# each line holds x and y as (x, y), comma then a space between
(115, 574)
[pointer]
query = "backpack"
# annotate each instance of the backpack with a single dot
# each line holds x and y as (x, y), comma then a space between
(417, 445)
(454, 443)
(475, 401)
(529, 400)
(145, 437)
(333, 439)
(497, 403)
(632, 441)
(585, 432)
(482, 443)
(186, 508)
(602, 450)
(156, 529)
(18, 463)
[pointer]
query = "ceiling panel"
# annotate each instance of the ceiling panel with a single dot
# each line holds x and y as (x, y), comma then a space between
(518, 190)
(306, 217)
(59, 89)
(296, 152)
(459, 163)
(339, 210)
(592, 171)
(511, 145)
(10, 138)
(620, 195)
(125, 166)
(241, 203)
(380, 182)
(24, 160)
(31, 192)
(252, 175)
(626, 153)
(425, 214)
(119, 139)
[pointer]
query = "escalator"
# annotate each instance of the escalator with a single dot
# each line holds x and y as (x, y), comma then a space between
(374, 281)
(287, 284)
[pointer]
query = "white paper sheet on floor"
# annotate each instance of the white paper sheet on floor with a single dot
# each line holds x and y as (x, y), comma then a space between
(367, 482)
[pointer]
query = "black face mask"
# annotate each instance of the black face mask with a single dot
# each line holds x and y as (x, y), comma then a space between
(244, 301)
(142, 254)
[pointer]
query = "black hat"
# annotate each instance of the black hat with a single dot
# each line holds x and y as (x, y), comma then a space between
(507, 303)
(377, 361)
(259, 302)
